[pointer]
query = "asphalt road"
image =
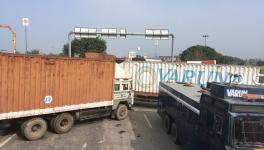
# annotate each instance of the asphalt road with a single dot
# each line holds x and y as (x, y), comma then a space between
(142, 130)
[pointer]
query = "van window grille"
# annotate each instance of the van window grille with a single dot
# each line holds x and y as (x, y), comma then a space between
(249, 130)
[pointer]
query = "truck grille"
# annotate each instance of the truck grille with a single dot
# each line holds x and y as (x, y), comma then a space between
(249, 130)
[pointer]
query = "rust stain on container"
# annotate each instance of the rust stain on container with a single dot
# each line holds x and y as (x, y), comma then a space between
(25, 81)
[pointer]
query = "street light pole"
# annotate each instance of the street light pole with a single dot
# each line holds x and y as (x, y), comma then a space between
(26, 38)
(69, 43)
(25, 23)
(156, 43)
(172, 46)
(205, 36)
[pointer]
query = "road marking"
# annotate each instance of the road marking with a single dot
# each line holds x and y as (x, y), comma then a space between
(147, 120)
(144, 109)
(130, 129)
(100, 142)
(84, 145)
(6, 140)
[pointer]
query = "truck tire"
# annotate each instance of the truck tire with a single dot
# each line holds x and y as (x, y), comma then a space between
(174, 133)
(167, 124)
(62, 123)
(121, 112)
(34, 128)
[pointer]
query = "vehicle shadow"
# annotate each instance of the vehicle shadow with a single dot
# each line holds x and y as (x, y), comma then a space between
(8, 129)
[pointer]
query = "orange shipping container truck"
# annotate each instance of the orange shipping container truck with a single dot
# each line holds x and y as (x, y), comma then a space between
(36, 90)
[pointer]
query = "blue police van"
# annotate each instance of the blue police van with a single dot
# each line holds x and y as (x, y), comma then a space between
(218, 117)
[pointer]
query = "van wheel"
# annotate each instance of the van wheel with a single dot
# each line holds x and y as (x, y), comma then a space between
(62, 123)
(174, 133)
(34, 128)
(121, 112)
(167, 124)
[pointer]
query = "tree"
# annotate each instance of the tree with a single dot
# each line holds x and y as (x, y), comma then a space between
(33, 52)
(261, 79)
(18, 52)
(80, 46)
(260, 63)
(199, 52)
(225, 60)
(52, 54)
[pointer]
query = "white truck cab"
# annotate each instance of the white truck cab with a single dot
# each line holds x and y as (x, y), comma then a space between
(123, 86)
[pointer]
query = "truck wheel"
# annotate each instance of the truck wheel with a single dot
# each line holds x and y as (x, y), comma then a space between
(34, 128)
(121, 112)
(62, 123)
(167, 124)
(174, 133)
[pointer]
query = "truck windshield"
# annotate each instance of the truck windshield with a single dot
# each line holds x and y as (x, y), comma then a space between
(117, 87)
(249, 130)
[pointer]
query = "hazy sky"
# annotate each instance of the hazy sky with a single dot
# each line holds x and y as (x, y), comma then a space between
(236, 27)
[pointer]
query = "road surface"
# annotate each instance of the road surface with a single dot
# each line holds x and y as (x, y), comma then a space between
(142, 130)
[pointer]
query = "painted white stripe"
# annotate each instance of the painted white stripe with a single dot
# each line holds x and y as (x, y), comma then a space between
(144, 109)
(35, 112)
(147, 120)
(6, 140)
(181, 101)
(84, 145)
